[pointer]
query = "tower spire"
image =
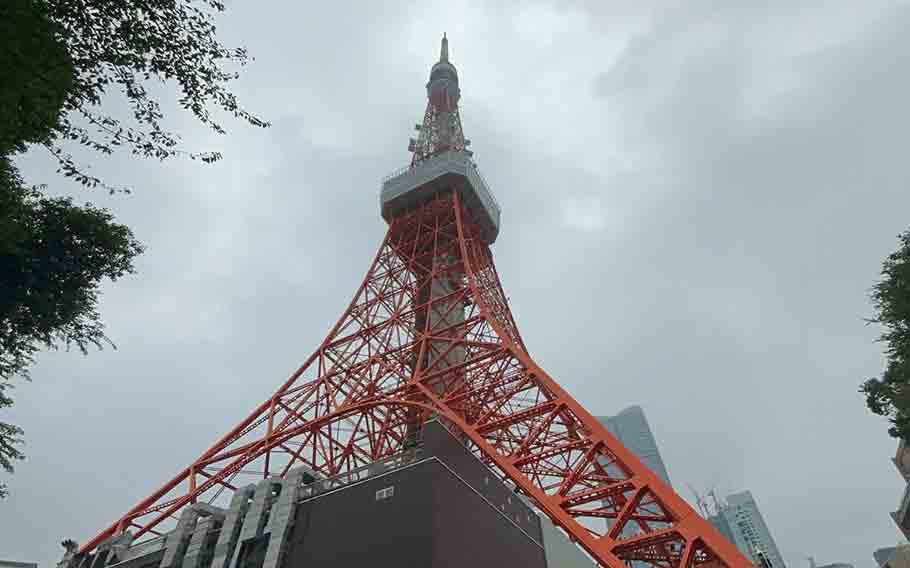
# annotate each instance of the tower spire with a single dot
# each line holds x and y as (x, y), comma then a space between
(441, 128)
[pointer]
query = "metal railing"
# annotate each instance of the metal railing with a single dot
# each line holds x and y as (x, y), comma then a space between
(394, 174)
(405, 169)
(487, 185)
(361, 473)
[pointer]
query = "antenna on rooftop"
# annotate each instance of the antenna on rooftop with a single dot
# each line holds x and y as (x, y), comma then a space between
(700, 501)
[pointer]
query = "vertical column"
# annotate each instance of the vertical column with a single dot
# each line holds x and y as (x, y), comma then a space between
(282, 515)
(230, 530)
(100, 559)
(446, 320)
(256, 515)
(120, 547)
(179, 538)
(445, 314)
(85, 560)
(440, 311)
(195, 550)
(209, 519)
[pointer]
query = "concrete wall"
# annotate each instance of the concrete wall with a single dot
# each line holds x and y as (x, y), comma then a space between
(439, 442)
(432, 519)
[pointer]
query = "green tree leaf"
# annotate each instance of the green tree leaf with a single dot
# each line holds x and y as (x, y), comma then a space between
(53, 257)
(890, 395)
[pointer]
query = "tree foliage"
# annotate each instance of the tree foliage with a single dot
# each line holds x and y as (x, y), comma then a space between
(37, 76)
(109, 49)
(53, 257)
(890, 395)
(63, 61)
(10, 438)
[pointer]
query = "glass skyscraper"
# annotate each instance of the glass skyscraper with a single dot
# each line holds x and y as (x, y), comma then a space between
(631, 427)
(742, 523)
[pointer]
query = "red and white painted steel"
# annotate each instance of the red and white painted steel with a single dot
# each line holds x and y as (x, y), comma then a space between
(407, 349)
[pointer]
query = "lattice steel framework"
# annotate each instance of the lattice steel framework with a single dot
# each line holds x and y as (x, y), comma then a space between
(387, 365)
(441, 129)
(429, 334)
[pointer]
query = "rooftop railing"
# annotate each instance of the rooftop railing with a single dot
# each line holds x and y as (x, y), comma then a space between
(445, 155)
(394, 174)
(361, 473)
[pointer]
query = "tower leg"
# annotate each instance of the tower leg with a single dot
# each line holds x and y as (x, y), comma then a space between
(429, 332)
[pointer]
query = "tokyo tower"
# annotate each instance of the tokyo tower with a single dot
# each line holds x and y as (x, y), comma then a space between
(427, 337)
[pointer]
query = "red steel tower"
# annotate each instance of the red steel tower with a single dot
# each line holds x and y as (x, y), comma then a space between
(429, 335)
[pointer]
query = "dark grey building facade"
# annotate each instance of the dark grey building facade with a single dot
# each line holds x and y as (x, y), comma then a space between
(446, 510)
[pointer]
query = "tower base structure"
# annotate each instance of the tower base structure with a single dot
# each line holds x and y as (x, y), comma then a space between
(433, 506)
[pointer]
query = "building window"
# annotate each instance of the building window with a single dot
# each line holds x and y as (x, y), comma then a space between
(385, 493)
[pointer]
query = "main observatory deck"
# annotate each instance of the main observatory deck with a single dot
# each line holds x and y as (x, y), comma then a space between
(453, 170)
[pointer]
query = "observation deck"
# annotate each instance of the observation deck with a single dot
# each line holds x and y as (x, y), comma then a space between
(452, 170)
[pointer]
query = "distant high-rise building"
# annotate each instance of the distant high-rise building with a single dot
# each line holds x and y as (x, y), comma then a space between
(742, 523)
(631, 427)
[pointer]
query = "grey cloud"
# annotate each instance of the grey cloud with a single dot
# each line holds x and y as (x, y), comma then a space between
(748, 165)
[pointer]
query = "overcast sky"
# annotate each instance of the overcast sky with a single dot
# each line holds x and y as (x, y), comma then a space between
(696, 200)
